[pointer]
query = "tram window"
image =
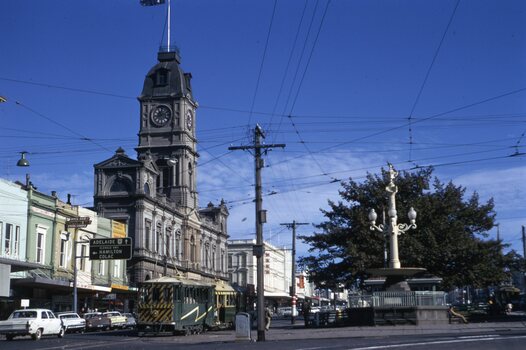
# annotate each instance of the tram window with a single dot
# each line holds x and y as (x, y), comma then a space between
(166, 293)
(177, 294)
(144, 295)
(155, 294)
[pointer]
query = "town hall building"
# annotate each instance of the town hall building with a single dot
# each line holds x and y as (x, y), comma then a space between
(156, 193)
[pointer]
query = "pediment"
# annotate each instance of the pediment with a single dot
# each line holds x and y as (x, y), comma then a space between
(150, 165)
(118, 161)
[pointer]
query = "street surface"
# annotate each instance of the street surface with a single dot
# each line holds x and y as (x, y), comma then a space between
(282, 335)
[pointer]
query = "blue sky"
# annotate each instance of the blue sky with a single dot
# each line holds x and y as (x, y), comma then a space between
(411, 82)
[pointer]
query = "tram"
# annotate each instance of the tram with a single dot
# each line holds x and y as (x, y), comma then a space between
(176, 306)
(182, 306)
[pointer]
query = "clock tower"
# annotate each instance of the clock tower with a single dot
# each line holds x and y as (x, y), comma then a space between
(167, 129)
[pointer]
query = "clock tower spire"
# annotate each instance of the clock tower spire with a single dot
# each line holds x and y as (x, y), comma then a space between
(167, 129)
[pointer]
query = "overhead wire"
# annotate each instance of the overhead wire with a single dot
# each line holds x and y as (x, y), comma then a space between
(387, 130)
(426, 77)
(262, 63)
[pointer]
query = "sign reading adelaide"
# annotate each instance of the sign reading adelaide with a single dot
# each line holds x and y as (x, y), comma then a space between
(110, 248)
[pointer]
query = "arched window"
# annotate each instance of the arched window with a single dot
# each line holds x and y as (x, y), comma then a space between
(206, 255)
(147, 233)
(158, 238)
(146, 189)
(192, 249)
(178, 244)
(169, 242)
(190, 176)
(120, 185)
(214, 258)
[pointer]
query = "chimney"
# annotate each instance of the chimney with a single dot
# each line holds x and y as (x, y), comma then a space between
(69, 199)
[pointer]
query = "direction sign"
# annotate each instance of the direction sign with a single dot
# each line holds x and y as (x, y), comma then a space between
(78, 222)
(110, 248)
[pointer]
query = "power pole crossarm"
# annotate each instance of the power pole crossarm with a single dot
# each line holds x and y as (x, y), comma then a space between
(293, 225)
(260, 220)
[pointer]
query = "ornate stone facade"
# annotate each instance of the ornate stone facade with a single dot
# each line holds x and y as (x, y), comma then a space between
(156, 194)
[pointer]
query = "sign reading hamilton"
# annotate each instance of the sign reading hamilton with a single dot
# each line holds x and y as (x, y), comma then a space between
(110, 248)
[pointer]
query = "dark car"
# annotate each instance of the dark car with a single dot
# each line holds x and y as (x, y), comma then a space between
(96, 321)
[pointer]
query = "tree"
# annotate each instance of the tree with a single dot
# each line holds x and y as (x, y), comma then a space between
(450, 240)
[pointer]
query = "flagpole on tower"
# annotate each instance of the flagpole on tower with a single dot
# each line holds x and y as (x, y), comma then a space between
(169, 25)
(160, 2)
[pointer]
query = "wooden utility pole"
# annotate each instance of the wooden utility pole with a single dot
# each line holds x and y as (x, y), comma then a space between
(259, 250)
(293, 225)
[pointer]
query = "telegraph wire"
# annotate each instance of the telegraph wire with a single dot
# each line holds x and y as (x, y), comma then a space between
(301, 84)
(384, 131)
(425, 79)
(301, 55)
(87, 91)
(84, 138)
(262, 63)
(243, 111)
(298, 30)
(310, 57)
(324, 183)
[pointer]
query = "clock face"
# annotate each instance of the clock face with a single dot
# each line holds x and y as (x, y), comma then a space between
(161, 115)
(189, 120)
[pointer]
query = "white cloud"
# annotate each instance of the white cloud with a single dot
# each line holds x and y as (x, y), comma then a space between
(293, 189)
(506, 187)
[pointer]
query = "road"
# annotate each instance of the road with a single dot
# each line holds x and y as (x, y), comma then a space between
(283, 336)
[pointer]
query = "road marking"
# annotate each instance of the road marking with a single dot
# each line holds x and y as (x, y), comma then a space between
(85, 345)
(473, 339)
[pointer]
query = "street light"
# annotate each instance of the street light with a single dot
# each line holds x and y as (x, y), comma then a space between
(394, 229)
(23, 162)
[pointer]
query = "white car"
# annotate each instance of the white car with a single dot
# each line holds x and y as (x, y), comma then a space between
(72, 321)
(285, 311)
(315, 309)
(33, 322)
(116, 318)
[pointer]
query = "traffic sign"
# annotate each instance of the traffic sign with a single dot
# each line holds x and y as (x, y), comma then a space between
(110, 248)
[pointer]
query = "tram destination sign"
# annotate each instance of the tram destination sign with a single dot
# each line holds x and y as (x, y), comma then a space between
(110, 248)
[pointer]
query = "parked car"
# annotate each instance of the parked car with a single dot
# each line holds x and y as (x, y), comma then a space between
(116, 318)
(131, 322)
(96, 321)
(315, 309)
(72, 321)
(285, 311)
(33, 322)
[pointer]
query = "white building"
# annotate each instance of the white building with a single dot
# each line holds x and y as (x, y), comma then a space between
(242, 269)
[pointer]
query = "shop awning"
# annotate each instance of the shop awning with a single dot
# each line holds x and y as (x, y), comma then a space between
(277, 295)
(18, 265)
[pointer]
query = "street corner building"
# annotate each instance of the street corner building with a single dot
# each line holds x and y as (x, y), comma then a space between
(156, 194)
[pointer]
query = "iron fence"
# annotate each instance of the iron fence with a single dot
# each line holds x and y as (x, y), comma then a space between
(398, 299)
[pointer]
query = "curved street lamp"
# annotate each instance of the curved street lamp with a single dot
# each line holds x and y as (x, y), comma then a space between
(393, 227)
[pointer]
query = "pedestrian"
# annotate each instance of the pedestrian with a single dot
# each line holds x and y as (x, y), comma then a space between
(306, 312)
(268, 318)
